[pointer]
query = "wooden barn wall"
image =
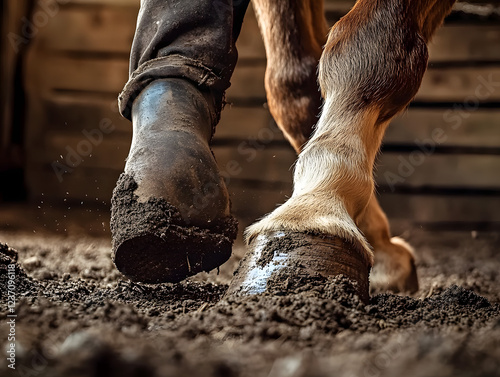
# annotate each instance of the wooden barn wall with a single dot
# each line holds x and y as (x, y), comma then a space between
(440, 161)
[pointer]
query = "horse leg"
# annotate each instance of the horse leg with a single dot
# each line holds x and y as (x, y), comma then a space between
(370, 69)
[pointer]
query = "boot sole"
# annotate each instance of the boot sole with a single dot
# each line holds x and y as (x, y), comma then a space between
(153, 244)
(171, 258)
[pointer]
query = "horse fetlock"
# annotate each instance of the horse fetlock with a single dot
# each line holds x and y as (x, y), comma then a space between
(313, 213)
(394, 269)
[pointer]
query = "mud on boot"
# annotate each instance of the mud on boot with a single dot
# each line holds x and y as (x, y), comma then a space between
(170, 208)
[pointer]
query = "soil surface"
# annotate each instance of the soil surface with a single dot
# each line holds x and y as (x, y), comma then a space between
(77, 316)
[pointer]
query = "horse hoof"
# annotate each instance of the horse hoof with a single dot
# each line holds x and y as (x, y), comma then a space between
(283, 256)
(394, 269)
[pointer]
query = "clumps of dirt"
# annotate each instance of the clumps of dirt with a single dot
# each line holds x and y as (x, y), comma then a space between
(319, 307)
(454, 306)
(304, 326)
(130, 329)
(167, 301)
(130, 218)
(13, 278)
(279, 243)
(459, 296)
(153, 243)
(339, 288)
(6, 251)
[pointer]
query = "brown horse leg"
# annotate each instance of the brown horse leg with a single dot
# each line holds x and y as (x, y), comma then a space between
(370, 69)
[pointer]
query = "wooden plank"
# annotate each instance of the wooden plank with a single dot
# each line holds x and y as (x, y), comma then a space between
(117, 3)
(87, 185)
(70, 74)
(266, 166)
(248, 203)
(440, 208)
(479, 128)
(248, 82)
(461, 85)
(65, 112)
(465, 171)
(110, 75)
(251, 203)
(111, 28)
(91, 29)
(464, 43)
(243, 123)
(237, 123)
(341, 7)
(254, 160)
(453, 127)
(107, 151)
(273, 165)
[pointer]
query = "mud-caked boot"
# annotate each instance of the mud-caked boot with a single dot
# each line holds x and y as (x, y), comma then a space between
(170, 208)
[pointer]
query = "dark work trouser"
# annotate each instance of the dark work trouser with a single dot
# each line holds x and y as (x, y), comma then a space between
(190, 39)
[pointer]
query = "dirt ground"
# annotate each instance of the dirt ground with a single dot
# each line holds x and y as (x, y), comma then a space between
(77, 316)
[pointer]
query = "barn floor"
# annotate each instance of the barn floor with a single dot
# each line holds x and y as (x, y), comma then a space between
(76, 316)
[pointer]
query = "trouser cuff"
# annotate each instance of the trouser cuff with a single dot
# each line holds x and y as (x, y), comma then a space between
(172, 66)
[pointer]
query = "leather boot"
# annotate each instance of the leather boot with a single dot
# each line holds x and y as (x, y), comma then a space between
(170, 208)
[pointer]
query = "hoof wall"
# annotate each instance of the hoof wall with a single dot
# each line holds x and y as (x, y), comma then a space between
(283, 256)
